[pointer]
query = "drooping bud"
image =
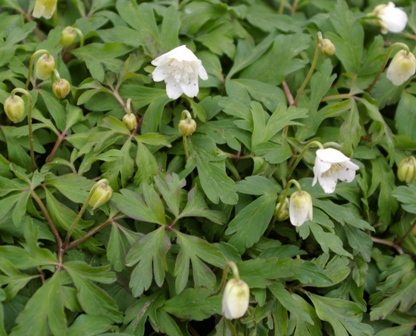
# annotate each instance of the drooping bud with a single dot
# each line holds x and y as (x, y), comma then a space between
(300, 208)
(187, 125)
(101, 194)
(283, 213)
(14, 107)
(407, 170)
(327, 47)
(44, 8)
(69, 35)
(130, 121)
(235, 299)
(402, 67)
(45, 66)
(61, 88)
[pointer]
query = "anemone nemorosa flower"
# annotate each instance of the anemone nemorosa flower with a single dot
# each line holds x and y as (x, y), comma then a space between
(402, 67)
(391, 18)
(179, 68)
(44, 8)
(235, 299)
(331, 165)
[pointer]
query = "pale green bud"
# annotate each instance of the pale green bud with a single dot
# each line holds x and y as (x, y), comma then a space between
(235, 299)
(407, 170)
(45, 66)
(61, 88)
(68, 36)
(187, 127)
(300, 208)
(327, 47)
(130, 121)
(283, 214)
(101, 194)
(14, 107)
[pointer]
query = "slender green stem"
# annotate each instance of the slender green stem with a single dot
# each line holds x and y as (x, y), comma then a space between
(400, 240)
(310, 144)
(282, 199)
(81, 36)
(79, 215)
(388, 243)
(309, 75)
(29, 124)
(282, 6)
(32, 60)
(89, 234)
(234, 268)
(185, 146)
(337, 97)
(50, 223)
(386, 59)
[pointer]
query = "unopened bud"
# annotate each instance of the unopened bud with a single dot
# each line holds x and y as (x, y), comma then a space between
(45, 66)
(402, 67)
(187, 127)
(327, 47)
(68, 36)
(300, 208)
(14, 107)
(101, 194)
(235, 299)
(61, 88)
(407, 170)
(130, 121)
(283, 213)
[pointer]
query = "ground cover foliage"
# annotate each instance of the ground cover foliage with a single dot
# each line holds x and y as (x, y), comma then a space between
(150, 260)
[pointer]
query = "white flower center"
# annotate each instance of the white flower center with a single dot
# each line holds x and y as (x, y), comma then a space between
(334, 170)
(183, 72)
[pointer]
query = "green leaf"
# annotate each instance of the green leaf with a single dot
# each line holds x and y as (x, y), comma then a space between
(197, 207)
(133, 205)
(349, 41)
(149, 253)
(93, 299)
(350, 132)
(344, 316)
(100, 274)
(147, 163)
(250, 223)
(406, 196)
(73, 186)
(56, 110)
(170, 188)
(89, 325)
(289, 302)
(170, 28)
(400, 295)
(405, 116)
(194, 249)
(214, 181)
(44, 313)
(203, 304)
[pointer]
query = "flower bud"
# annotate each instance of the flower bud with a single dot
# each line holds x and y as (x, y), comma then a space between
(283, 214)
(45, 66)
(61, 88)
(68, 36)
(101, 193)
(187, 127)
(130, 121)
(235, 299)
(300, 208)
(327, 47)
(402, 67)
(407, 170)
(14, 106)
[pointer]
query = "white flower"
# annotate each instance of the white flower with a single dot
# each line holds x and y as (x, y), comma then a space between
(392, 19)
(331, 165)
(44, 8)
(300, 208)
(402, 67)
(179, 68)
(235, 299)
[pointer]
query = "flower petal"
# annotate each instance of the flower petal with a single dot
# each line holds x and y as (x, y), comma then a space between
(173, 89)
(331, 155)
(328, 183)
(190, 89)
(160, 73)
(202, 72)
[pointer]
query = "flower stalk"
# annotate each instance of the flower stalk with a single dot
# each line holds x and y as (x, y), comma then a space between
(386, 59)
(32, 60)
(308, 145)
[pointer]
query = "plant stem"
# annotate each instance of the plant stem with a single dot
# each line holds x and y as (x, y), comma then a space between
(310, 144)
(29, 124)
(61, 138)
(400, 240)
(282, 6)
(388, 243)
(309, 75)
(282, 199)
(50, 223)
(336, 97)
(225, 276)
(32, 60)
(185, 146)
(386, 59)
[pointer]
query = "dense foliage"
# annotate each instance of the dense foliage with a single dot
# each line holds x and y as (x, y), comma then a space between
(115, 221)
